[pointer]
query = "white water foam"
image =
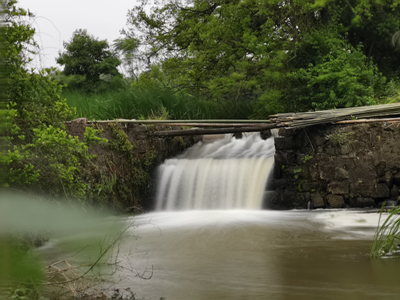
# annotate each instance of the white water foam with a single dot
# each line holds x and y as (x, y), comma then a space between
(225, 174)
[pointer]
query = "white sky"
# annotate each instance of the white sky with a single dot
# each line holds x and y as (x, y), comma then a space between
(56, 20)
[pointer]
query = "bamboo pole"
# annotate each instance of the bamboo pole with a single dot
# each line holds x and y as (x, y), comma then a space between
(360, 108)
(197, 131)
(212, 124)
(183, 122)
(368, 121)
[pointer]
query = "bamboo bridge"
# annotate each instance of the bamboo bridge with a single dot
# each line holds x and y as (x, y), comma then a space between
(363, 114)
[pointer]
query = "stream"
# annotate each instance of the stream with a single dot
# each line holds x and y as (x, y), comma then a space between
(249, 254)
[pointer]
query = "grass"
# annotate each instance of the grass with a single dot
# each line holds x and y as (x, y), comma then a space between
(387, 236)
(139, 104)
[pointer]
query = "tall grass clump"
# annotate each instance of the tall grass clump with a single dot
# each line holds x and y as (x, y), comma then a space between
(387, 236)
(141, 104)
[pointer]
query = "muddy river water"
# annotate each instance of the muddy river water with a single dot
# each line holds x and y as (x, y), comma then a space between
(256, 254)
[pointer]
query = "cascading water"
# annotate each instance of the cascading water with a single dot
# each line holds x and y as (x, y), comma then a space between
(225, 174)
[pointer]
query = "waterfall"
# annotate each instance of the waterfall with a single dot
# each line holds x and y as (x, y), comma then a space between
(228, 173)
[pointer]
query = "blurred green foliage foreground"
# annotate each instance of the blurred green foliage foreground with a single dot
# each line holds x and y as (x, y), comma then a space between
(88, 235)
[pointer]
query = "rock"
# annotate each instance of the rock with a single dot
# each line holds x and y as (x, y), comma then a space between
(239, 135)
(388, 203)
(286, 132)
(345, 149)
(141, 146)
(338, 187)
(285, 157)
(313, 171)
(266, 134)
(393, 162)
(364, 202)
(277, 184)
(303, 142)
(276, 171)
(292, 186)
(284, 143)
(317, 201)
(368, 188)
(341, 174)
(380, 168)
(388, 179)
(141, 136)
(140, 128)
(381, 191)
(310, 186)
(271, 199)
(396, 178)
(331, 150)
(319, 140)
(335, 201)
(394, 191)
(327, 172)
(290, 201)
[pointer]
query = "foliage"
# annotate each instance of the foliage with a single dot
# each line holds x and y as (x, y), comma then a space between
(298, 56)
(131, 61)
(3, 100)
(387, 235)
(296, 171)
(42, 158)
(341, 138)
(23, 274)
(373, 23)
(138, 103)
(59, 156)
(86, 58)
(330, 73)
(218, 49)
(308, 157)
(132, 178)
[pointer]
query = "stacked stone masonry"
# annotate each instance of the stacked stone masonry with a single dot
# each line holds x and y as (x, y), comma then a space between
(139, 135)
(128, 160)
(336, 166)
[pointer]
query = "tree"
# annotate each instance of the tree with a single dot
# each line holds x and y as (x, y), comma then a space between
(329, 73)
(130, 59)
(372, 24)
(41, 158)
(250, 50)
(87, 57)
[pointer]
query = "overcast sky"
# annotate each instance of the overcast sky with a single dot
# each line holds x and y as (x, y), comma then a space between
(56, 20)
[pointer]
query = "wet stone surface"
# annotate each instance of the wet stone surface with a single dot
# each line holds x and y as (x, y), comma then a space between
(352, 165)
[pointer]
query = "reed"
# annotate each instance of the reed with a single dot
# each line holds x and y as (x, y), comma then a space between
(387, 236)
(140, 104)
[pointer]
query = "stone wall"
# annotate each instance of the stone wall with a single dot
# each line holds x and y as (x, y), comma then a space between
(139, 135)
(121, 174)
(335, 166)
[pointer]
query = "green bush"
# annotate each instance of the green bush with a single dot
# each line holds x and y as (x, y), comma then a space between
(330, 73)
(41, 158)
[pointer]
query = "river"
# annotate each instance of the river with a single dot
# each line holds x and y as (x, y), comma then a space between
(209, 237)
(250, 254)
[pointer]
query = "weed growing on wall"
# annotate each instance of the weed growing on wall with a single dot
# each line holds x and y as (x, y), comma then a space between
(341, 138)
(132, 175)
